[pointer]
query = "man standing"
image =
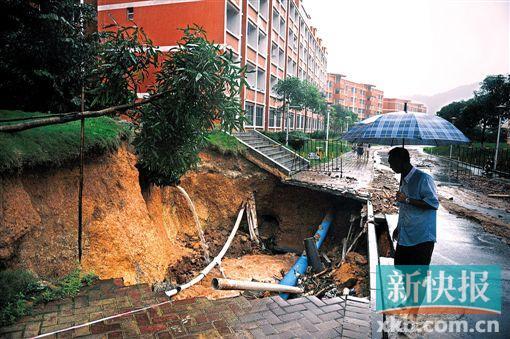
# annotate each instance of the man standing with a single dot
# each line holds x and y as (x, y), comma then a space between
(418, 204)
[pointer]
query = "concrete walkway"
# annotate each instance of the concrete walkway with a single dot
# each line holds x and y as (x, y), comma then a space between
(306, 317)
(353, 180)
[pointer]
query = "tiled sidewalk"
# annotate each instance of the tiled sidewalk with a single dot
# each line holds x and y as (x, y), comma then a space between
(306, 317)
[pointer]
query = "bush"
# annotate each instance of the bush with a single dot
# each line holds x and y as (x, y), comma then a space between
(17, 287)
(21, 289)
(296, 138)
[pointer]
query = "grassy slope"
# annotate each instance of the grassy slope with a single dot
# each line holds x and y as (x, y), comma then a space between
(224, 143)
(56, 145)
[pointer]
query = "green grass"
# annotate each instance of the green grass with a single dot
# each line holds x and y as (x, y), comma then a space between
(56, 145)
(335, 149)
(21, 290)
(224, 143)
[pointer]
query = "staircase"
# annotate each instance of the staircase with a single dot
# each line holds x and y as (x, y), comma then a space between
(272, 153)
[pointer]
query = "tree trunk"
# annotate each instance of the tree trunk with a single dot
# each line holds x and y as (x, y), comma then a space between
(483, 133)
(306, 119)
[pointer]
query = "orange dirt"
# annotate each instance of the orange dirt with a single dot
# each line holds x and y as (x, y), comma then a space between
(260, 267)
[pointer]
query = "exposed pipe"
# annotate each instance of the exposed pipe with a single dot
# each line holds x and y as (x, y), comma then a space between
(299, 268)
(214, 262)
(230, 284)
(313, 255)
(205, 248)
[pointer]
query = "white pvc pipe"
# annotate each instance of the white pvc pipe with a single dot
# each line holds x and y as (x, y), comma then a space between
(230, 284)
(203, 243)
(214, 262)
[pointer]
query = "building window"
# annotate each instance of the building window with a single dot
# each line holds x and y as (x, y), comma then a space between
(276, 21)
(337, 91)
(278, 118)
(263, 8)
(282, 26)
(233, 19)
(259, 116)
(272, 117)
(273, 83)
(251, 75)
(261, 80)
(130, 13)
(252, 35)
(262, 43)
(274, 53)
(281, 58)
(249, 110)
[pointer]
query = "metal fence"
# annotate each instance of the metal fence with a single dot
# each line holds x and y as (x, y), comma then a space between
(321, 156)
(476, 160)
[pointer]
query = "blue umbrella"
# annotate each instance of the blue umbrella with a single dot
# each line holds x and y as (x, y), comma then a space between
(402, 128)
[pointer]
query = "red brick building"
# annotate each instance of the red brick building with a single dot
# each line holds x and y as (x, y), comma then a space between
(363, 99)
(395, 105)
(273, 38)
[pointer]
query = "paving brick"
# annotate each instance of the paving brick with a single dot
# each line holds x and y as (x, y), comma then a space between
(297, 301)
(278, 311)
(295, 308)
(271, 317)
(257, 333)
(200, 328)
(115, 335)
(316, 300)
(330, 316)
(152, 328)
(142, 319)
(331, 308)
(311, 316)
(307, 325)
(291, 316)
(346, 333)
(326, 325)
(268, 329)
(177, 330)
(334, 300)
(329, 333)
(279, 301)
(100, 328)
(312, 307)
(251, 317)
(81, 331)
(286, 326)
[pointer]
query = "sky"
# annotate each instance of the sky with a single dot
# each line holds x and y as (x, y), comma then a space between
(408, 47)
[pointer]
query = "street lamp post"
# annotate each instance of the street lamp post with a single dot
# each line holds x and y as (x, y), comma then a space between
(287, 127)
(327, 128)
(501, 108)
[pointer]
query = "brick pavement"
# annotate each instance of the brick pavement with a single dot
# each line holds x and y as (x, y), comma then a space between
(305, 317)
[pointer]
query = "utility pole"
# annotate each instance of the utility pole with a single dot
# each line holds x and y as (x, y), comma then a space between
(501, 107)
(288, 125)
(327, 128)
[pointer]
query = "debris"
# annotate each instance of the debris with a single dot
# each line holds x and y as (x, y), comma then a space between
(495, 195)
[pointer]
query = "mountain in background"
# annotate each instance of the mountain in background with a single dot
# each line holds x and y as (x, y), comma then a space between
(437, 101)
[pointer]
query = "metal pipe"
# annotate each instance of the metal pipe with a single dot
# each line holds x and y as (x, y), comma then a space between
(214, 262)
(299, 268)
(313, 255)
(230, 284)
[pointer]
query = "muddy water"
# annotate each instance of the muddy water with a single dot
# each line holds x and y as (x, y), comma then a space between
(261, 267)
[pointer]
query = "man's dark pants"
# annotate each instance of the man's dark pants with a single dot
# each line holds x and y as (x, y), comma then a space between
(419, 254)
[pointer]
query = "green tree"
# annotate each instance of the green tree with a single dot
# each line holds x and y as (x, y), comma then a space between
(49, 51)
(201, 84)
(339, 118)
(478, 115)
(312, 100)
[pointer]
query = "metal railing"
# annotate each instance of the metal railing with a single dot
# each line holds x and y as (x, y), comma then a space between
(321, 156)
(475, 160)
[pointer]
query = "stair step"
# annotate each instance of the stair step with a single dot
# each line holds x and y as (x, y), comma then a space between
(283, 157)
(273, 152)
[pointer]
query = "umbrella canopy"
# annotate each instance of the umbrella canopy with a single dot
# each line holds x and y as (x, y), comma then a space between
(401, 128)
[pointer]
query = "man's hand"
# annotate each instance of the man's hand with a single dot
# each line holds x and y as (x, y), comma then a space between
(396, 232)
(400, 197)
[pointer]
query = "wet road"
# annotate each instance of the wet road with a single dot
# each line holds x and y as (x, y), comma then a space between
(464, 242)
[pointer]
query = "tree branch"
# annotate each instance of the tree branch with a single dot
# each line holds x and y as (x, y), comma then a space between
(73, 116)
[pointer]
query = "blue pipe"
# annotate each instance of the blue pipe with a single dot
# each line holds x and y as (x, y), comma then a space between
(299, 268)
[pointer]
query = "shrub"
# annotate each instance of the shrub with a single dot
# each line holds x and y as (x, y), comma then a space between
(21, 289)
